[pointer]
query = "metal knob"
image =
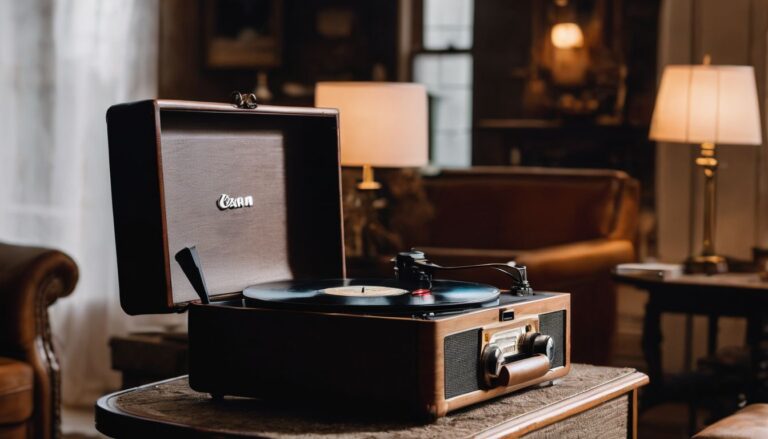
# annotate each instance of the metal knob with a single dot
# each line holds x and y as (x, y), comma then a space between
(536, 343)
(492, 360)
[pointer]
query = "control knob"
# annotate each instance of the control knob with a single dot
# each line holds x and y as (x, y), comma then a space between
(538, 349)
(535, 343)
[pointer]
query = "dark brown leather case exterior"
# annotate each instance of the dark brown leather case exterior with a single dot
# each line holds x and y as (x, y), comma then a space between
(170, 163)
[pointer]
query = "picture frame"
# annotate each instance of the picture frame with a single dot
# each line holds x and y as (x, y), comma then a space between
(243, 34)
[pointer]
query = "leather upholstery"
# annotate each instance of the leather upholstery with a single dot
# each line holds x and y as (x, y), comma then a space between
(31, 279)
(751, 422)
(14, 431)
(569, 227)
(15, 391)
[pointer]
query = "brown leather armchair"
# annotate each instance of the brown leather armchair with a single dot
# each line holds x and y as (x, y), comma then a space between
(31, 279)
(569, 227)
(748, 423)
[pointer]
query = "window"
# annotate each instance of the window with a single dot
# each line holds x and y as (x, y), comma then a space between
(448, 24)
(444, 66)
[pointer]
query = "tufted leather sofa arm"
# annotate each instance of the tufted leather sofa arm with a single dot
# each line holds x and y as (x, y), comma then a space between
(749, 422)
(32, 279)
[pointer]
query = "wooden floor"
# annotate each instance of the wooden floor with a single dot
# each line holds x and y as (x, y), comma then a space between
(667, 421)
(78, 423)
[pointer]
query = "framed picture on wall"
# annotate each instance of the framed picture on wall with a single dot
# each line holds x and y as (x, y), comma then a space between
(243, 33)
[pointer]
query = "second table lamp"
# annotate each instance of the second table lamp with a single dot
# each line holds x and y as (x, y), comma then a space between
(708, 105)
(382, 124)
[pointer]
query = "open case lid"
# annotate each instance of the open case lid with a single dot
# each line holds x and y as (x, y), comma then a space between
(256, 191)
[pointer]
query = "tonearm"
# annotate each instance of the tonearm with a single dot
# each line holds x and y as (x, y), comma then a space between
(413, 266)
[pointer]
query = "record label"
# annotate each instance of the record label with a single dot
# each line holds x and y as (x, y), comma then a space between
(364, 291)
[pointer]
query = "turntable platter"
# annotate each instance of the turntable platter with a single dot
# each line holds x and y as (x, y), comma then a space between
(380, 296)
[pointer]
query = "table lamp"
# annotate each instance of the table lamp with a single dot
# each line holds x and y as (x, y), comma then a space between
(708, 105)
(382, 124)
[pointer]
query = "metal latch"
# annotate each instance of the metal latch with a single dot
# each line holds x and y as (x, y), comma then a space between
(244, 101)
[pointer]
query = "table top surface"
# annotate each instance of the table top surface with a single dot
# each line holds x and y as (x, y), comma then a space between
(731, 281)
(172, 407)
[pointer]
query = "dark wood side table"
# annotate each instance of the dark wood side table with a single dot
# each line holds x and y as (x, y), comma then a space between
(590, 401)
(730, 294)
(146, 357)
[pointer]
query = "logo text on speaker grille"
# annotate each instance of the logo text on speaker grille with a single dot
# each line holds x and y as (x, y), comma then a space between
(228, 202)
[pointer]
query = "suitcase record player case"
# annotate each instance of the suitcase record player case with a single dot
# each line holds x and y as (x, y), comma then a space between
(256, 193)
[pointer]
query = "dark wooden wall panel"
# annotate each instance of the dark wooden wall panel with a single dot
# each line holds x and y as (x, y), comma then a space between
(502, 52)
(307, 57)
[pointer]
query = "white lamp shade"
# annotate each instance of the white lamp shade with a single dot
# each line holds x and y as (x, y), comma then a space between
(382, 124)
(703, 103)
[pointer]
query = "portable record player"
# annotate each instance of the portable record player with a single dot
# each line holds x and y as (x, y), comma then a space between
(233, 214)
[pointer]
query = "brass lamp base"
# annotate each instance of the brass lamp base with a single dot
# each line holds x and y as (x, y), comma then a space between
(708, 262)
(368, 183)
(711, 264)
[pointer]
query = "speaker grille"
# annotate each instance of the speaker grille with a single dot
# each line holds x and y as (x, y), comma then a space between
(461, 364)
(553, 325)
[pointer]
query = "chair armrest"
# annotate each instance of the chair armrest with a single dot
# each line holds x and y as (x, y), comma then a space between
(749, 422)
(627, 211)
(31, 279)
(564, 264)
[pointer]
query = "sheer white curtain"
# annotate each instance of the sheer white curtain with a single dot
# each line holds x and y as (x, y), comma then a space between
(62, 64)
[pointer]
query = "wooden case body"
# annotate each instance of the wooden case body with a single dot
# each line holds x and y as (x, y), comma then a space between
(170, 162)
(377, 364)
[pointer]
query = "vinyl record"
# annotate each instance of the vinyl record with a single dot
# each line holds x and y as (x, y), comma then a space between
(380, 296)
